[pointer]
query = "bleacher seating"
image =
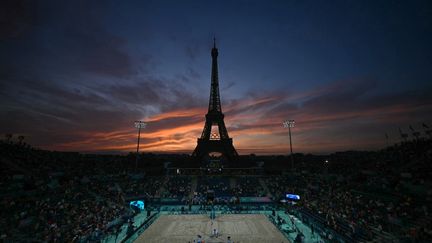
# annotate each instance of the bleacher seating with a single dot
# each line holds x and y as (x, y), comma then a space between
(52, 196)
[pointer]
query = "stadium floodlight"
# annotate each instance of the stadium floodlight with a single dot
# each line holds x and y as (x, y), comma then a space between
(289, 124)
(139, 125)
(326, 166)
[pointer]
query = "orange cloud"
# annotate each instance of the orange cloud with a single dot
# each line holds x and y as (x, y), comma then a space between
(256, 127)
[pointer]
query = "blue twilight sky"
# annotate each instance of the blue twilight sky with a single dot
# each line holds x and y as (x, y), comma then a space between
(74, 75)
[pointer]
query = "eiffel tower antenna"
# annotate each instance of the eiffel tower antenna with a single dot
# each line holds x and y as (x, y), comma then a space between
(209, 142)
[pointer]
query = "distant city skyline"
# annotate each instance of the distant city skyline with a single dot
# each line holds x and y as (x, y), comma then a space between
(75, 75)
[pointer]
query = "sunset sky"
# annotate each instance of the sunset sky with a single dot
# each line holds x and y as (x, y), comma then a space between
(75, 75)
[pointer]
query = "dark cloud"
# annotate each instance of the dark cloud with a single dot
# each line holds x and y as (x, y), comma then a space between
(70, 38)
(254, 102)
(354, 111)
(76, 74)
(195, 48)
(283, 109)
(89, 44)
(341, 97)
(175, 121)
(192, 51)
(51, 115)
(228, 86)
(60, 114)
(192, 73)
(345, 115)
(17, 17)
(144, 93)
(185, 99)
(360, 97)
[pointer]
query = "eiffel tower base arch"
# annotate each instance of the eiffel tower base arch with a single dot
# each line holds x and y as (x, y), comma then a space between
(205, 147)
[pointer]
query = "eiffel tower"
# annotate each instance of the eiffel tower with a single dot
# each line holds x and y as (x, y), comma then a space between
(218, 141)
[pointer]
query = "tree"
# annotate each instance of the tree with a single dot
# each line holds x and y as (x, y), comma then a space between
(8, 137)
(20, 139)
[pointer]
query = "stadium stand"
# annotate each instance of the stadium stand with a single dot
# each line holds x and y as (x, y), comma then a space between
(70, 197)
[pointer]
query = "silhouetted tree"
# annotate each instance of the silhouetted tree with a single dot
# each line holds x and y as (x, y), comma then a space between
(20, 139)
(8, 137)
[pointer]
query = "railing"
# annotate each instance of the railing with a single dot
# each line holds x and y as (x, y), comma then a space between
(131, 238)
(284, 233)
(320, 225)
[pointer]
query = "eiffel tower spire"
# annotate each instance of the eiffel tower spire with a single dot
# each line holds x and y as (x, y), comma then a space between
(208, 143)
(214, 102)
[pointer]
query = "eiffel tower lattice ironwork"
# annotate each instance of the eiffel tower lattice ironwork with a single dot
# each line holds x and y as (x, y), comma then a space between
(210, 142)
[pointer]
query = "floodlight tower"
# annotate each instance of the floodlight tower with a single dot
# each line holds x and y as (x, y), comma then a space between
(139, 125)
(289, 124)
(326, 164)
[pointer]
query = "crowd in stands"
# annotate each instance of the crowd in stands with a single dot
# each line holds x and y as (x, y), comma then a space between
(72, 209)
(387, 194)
(139, 186)
(70, 197)
(220, 185)
(178, 187)
(64, 197)
(248, 187)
